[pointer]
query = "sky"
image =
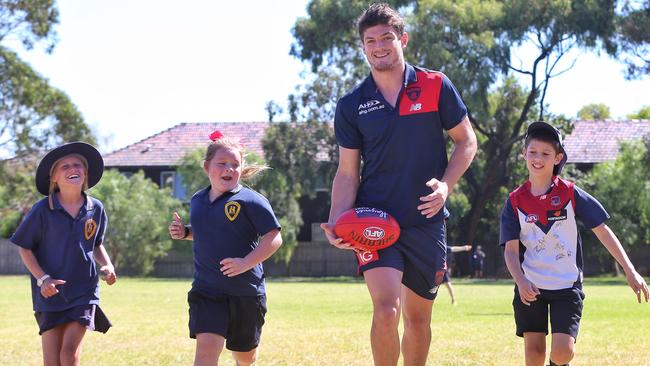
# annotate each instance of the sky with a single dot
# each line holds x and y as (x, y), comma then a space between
(136, 68)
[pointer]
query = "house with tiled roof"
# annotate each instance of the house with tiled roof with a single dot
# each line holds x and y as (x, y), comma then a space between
(159, 155)
(589, 143)
(593, 142)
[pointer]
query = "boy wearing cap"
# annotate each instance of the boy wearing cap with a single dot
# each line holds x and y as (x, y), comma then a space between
(60, 242)
(543, 250)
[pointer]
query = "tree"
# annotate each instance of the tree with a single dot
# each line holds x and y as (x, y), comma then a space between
(472, 42)
(643, 113)
(623, 188)
(34, 116)
(301, 157)
(17, 194)
(634, 38)
(594, 111)
(137, 231)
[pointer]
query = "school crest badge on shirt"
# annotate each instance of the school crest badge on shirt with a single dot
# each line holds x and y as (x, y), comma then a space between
(232, 209)
(90, 227)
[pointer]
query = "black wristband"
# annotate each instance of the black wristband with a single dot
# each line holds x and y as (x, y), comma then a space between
(187, 232)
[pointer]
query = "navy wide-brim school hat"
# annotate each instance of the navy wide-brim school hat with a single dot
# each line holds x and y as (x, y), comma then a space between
(540, 125)
(93, 157)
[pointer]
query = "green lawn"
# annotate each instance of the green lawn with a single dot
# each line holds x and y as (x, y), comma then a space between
(327, 323)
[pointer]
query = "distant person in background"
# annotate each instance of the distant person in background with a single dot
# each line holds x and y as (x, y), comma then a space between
(478, 257)
(446, 279)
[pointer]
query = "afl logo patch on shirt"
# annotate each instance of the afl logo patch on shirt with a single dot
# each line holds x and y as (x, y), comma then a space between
(232, 209)
(532, 218)
(556, 215)
(556, 201)
(90, 227)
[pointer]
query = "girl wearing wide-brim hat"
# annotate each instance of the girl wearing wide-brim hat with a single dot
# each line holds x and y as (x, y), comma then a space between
(60, 243)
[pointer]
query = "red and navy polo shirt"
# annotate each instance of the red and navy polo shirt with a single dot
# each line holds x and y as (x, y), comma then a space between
(229, 227)
(402, 147)
(550, 248)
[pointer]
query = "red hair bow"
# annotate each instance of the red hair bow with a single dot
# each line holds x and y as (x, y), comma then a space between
(216, 135)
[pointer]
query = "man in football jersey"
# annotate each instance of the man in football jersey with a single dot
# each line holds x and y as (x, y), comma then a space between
(543, 251)
(395, 121)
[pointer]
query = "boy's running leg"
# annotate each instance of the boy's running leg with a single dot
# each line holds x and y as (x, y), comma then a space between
(562, 348)
(73, 334)
(208, 349)
(384, 285)
(535, 348)
(51, 341)
(417, 327)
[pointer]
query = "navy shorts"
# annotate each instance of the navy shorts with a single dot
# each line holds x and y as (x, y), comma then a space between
(564, 307)
(420, 254)
(239, 319)
(91, 316)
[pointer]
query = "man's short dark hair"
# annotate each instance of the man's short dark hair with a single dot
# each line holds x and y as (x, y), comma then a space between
(380, 14)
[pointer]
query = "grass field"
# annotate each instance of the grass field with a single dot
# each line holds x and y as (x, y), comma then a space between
(327, 322)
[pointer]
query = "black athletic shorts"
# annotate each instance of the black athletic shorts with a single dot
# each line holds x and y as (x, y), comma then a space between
(420, 254)
(564, 307)
(239, 319)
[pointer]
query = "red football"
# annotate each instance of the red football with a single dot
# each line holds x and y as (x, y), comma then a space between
(367, 228)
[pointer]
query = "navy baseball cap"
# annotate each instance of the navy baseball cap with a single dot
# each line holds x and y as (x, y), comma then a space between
(92, 156)
(543, 126)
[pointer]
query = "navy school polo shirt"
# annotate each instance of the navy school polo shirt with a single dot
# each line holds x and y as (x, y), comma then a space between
(403, 147)
(550, 247)
(63, 246)
(229, 227)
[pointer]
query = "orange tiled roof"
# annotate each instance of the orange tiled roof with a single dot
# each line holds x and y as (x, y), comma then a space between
(598, 141)
(168, 147)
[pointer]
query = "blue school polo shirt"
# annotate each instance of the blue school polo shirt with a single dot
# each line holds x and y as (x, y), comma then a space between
(550, 247)
(229, 227)
(63, 246)
(403, 147)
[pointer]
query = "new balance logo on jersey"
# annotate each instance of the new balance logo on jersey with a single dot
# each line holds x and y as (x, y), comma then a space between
(415, 107)
(370, 106)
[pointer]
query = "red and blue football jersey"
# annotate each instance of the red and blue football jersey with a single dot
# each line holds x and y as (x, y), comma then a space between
(550, 248)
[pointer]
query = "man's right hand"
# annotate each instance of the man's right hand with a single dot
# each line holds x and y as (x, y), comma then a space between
(332, 238)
